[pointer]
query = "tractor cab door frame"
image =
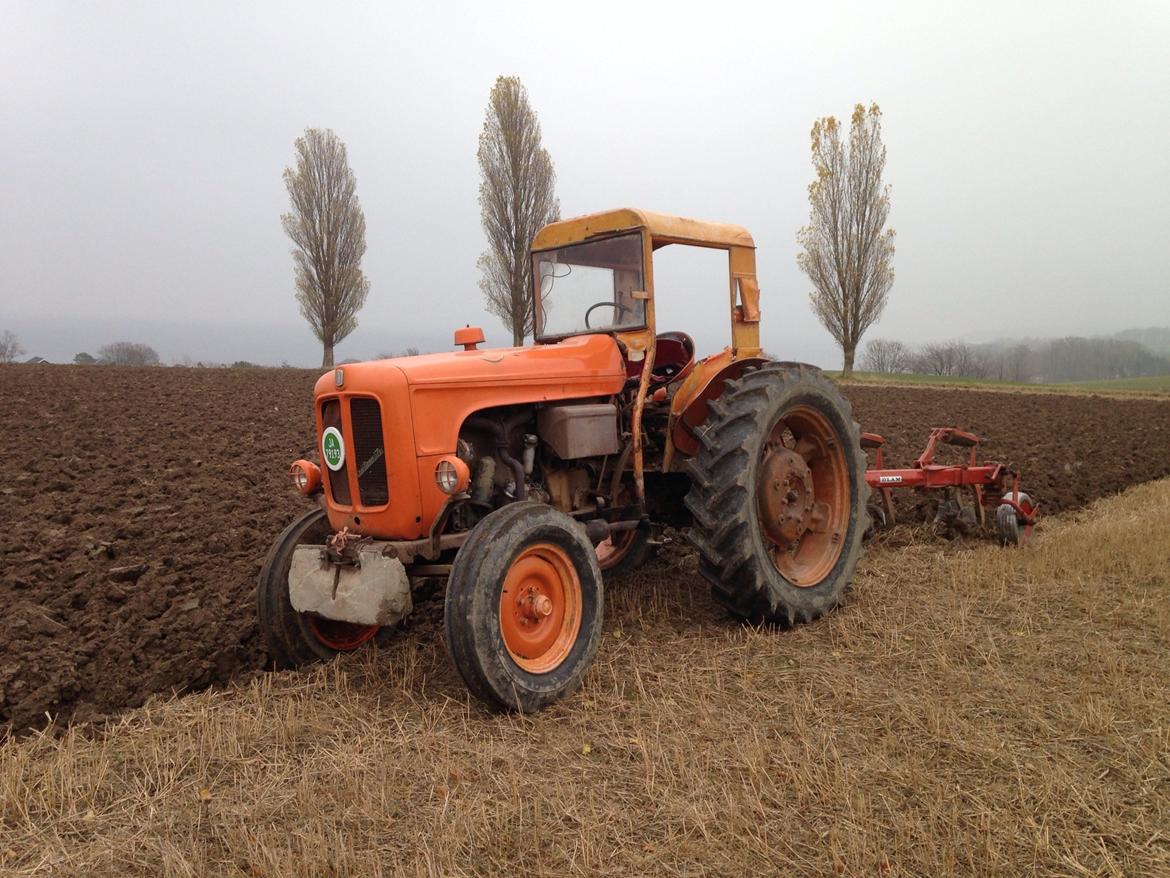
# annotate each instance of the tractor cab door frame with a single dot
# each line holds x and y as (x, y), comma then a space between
(707, 378)
(688, 407)
(640, 344)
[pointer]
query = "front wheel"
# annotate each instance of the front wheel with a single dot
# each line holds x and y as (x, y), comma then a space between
(778, 495)
(524, 607)
(293, 638)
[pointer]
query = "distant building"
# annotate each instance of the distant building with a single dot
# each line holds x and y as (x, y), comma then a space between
(37, 361)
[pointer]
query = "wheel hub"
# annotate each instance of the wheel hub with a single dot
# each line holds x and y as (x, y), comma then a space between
(534, 606)
(785, 495)
(540, 608)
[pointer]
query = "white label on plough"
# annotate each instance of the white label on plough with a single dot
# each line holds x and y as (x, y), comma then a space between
(889, 480)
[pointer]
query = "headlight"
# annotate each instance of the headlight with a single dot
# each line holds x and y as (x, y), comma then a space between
(452, 475)
(306, 477)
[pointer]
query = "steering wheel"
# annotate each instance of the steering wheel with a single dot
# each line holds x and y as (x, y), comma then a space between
(618, 308)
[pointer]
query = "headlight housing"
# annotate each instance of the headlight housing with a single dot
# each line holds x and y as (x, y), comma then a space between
(452, 475)
(306, 477)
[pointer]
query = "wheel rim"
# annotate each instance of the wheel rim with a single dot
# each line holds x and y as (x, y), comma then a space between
(540, 608)
(802, 495)
(341, 636)
(612, 549)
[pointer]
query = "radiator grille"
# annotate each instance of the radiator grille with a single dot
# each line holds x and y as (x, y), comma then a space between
(338, 480)
(369, 451)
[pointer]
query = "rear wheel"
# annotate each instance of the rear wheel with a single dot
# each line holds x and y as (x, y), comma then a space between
(294, 639)
(778, 495)
(524, 607)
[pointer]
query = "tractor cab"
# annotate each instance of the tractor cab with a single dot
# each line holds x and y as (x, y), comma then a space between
(595, 274)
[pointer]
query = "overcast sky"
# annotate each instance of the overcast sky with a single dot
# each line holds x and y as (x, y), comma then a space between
(142, 144)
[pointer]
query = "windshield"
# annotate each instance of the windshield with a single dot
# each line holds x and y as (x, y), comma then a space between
(589, 287)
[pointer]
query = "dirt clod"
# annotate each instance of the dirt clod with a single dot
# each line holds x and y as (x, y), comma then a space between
(128, 574)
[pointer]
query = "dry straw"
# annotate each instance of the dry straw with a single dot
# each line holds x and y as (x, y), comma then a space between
(970, 711)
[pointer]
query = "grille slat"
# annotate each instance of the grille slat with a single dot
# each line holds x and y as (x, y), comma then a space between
(338, 480)
(369, 451)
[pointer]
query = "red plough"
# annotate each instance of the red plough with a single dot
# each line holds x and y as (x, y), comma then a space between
(991, 486)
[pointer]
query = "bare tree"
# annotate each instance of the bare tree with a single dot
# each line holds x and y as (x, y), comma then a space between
(1094, 359)
(847, 250)
(127, 353)
(10, 347)
(1017, 362)
(935, 359)
(517, 196)
(887, 357)
(1008, 362)
(951, 359)
(969, 361)
(328, 227)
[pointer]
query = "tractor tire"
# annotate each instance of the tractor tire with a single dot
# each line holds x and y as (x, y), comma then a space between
(1007, 522)
(524, 607)
(1007, 526)
(626, 551)
(295, 639)
(778, 495)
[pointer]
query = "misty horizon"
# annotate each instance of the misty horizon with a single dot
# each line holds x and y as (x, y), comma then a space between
(143, 155)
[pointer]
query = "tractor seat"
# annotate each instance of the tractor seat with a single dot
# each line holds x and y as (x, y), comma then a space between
(674, 357)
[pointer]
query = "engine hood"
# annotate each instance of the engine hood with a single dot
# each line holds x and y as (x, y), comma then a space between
(425, 400)
(584, 357)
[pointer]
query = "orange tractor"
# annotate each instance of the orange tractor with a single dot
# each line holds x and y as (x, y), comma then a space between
(523, 475)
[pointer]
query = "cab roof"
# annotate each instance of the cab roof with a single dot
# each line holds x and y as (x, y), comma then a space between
(663, 229)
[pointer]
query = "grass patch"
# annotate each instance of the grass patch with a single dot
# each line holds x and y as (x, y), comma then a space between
(1158, 385)
(971, 710)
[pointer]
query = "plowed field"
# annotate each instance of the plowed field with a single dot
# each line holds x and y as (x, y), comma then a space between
(138, 504)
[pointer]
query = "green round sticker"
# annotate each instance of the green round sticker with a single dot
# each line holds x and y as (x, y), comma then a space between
(332, 448)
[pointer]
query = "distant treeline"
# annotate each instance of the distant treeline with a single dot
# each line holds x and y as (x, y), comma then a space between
(1066, 359)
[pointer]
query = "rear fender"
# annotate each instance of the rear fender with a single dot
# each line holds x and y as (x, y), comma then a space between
(688, 409)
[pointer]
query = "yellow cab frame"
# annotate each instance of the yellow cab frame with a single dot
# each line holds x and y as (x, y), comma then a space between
(688, 407)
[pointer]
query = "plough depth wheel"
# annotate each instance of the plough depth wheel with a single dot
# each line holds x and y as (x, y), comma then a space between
(1012, 529)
